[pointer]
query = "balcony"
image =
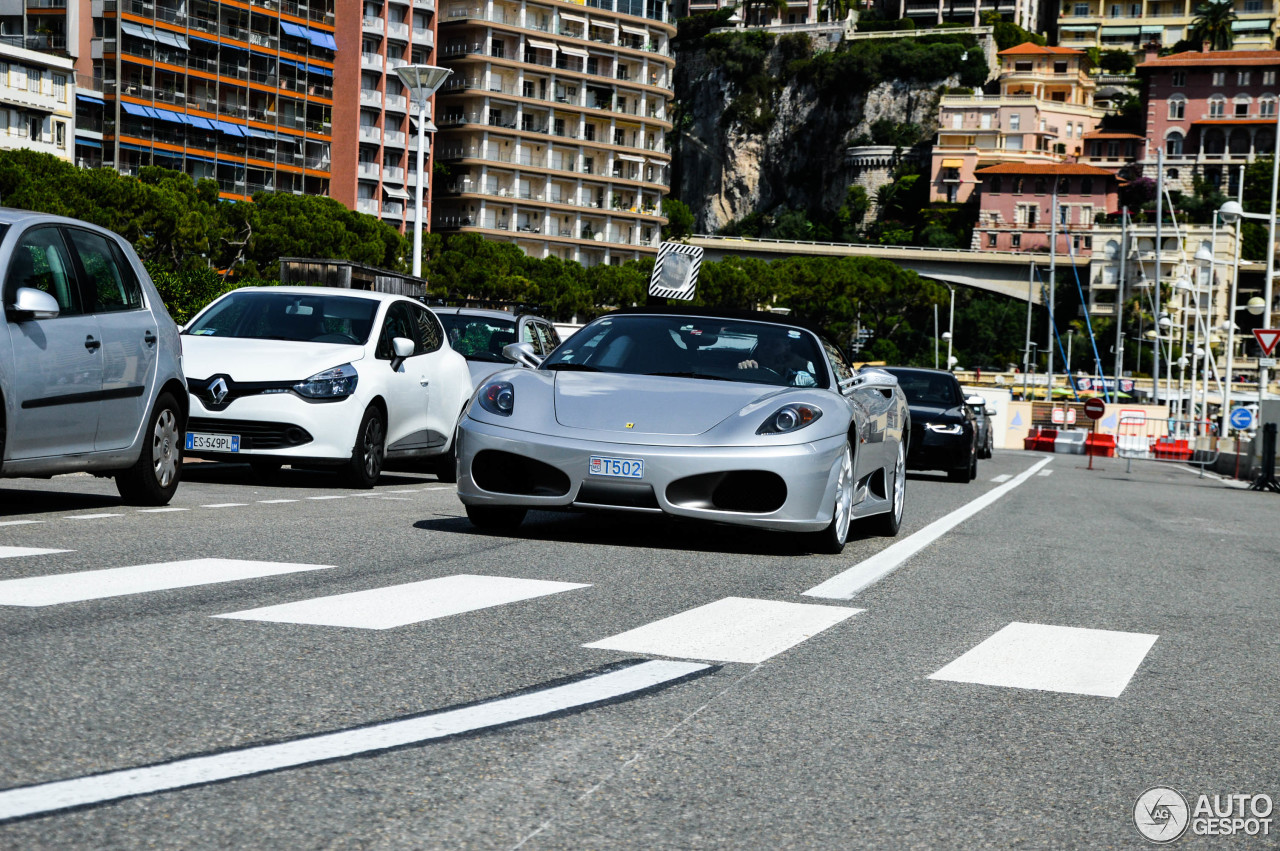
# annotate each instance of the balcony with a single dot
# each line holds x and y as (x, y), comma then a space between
(370, 171)
(371, 97)
(393, 138)
(427, 5)
(371, 61)
(392, 174)
(424, 38)
(397, 103)
(372, 135)
(373, 26)
(367, 205)
(393, 209)
(399, 32)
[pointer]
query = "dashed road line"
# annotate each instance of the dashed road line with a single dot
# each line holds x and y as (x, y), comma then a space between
(199, 770)
(330, 496)
(18, 552)
(1002, 478)
(226, 505)
(90, 516)
(275, 501)
(20, 522)
(168, 510)
(843, 586)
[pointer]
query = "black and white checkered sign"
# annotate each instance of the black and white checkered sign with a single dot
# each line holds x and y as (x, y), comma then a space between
(675, 273)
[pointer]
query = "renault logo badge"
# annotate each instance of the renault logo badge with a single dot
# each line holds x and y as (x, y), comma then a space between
(218, 390)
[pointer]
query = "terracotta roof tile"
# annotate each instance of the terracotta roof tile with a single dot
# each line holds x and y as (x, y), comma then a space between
(1230, 58)
(1030, 48)
(1062, 169)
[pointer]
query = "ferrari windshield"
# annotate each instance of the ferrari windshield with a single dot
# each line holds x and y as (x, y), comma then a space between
(695, 347)
(479, 338)
(302, 318)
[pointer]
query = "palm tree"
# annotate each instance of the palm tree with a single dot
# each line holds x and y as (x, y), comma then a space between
(1213, 24)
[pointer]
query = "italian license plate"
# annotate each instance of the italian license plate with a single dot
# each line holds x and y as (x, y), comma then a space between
(213, 442)
(620, 468)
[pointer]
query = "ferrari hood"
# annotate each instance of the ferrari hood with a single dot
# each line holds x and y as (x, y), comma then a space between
(261, 360)
(649, 404)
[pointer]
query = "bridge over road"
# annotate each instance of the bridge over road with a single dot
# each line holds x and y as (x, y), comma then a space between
(1003, 272)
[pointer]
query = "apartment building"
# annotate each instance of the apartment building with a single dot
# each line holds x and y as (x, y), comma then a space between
(553, 124)
(37, 101)
(1210, 112)
(1128, 24)
(375, 129)
(1042, 114)
(1017, 213)
(796, 11)
(931, 13)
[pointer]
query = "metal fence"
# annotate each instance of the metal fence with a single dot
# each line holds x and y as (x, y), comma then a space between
(1165, 440)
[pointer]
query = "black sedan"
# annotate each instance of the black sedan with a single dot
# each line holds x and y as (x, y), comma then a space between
(944, 434)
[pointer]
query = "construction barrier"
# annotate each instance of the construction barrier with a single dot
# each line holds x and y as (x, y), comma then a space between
(1170, 440)
(1100, 445)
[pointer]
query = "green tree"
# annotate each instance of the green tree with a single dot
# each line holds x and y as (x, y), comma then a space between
(679, 219)
(1116, 62)
(1008, 34)
(1212, 24)
(286, 225)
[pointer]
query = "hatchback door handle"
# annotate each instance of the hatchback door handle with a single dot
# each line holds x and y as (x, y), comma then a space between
(90, 343)
(149, 338)
(424, 382)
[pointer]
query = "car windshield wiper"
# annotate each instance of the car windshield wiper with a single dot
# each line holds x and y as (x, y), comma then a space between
(690, 375)
(576, 367)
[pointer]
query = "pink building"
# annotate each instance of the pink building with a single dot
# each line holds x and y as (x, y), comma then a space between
(1017, 200)
(1044, 109)
(1211, 112)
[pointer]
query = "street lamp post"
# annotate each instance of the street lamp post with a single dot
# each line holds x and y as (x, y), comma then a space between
(422, 81)
(951, 325)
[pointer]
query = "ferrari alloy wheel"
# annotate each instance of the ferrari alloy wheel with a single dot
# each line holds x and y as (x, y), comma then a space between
(831, 540)
(887, 524)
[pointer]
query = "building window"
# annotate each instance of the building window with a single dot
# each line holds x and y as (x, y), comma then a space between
(1243, 78)
(1023, 67)
(1219, 78)
(1173, 145)
(991, 240)
(1179, 78)
(1267, 108)
(1217, 108)
(996, 185)
(60, 134)
(1081, 10)
(1017, 186)
(1268, 78)
(1086, 186)
(1015, 121)
(1242, 109)
(60, 88)
(1040, 185)
(1177, 109)
(1064, 214)
(1015, 240)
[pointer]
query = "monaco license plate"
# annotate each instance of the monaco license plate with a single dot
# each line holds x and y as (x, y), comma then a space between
(621, 468)
(213, 442)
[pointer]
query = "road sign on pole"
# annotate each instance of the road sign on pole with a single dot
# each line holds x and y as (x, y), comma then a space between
(1094, 408)
(1241, 419)
(1267, 338)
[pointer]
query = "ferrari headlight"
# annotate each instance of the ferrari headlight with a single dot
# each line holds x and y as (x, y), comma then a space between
(945, 428)
(789, 418)
(336, 383)
(498, 397)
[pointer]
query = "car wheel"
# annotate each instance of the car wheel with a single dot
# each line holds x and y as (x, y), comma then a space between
(831, 539)
(973, 467)
(960, 474)
(887, 524)
(496, 518)
(154, 478)
(365, 466)
(446, 466)
(265, 468)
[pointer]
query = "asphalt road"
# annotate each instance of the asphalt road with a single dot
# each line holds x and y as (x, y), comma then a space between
(1118, 632)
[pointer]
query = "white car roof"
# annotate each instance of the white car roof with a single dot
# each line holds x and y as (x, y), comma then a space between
(342, 291)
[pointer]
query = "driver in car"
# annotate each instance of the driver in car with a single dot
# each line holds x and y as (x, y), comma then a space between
(774, 353)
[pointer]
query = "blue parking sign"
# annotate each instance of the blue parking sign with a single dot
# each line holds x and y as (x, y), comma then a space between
(1241, 419)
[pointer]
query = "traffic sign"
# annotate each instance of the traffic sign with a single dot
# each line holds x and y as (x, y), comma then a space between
(1266, 362)
(1267, 338)
(1094, 408)
(1241, 419)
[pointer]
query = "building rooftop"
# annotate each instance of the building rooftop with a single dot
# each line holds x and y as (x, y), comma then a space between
(1061, 169)
(1195, 58)
(1030, 48)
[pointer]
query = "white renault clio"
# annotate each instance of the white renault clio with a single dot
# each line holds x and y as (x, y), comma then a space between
(317, 376)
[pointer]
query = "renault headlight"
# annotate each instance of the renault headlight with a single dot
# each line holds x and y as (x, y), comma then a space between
(945, 428)
(336, 383)
(789, 418)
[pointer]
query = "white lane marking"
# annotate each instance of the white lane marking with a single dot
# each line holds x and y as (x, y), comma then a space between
(1003, 477)
(399, 492)
(844, 585)
(330, 496)
(138, 579)
(1053, 658)
(1195, 471)
(160, 510)
(734, 629)
(198, 770)
(90, 516)
(399, 605)
(275, 501)
(226, 505)
(15, 552)
(1046, 472)
(20, 522)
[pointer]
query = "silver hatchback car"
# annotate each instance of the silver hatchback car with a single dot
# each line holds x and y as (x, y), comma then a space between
(90, 360)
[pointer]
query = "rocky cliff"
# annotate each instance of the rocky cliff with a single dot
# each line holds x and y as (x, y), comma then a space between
(743, 147)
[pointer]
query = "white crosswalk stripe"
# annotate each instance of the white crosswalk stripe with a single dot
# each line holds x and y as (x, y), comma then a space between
(17, 552)
(1053, 658)
(138, 579)
(400, 605)
(734, 629)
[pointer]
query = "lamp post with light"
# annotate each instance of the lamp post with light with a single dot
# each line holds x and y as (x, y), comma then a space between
(422, 81)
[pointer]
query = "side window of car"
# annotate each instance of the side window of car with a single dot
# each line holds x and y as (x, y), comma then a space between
(41, 262)
(844, 372)
(547, 337)
(527, 335)
(430, 333)
(109, 286)
(397, 323)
